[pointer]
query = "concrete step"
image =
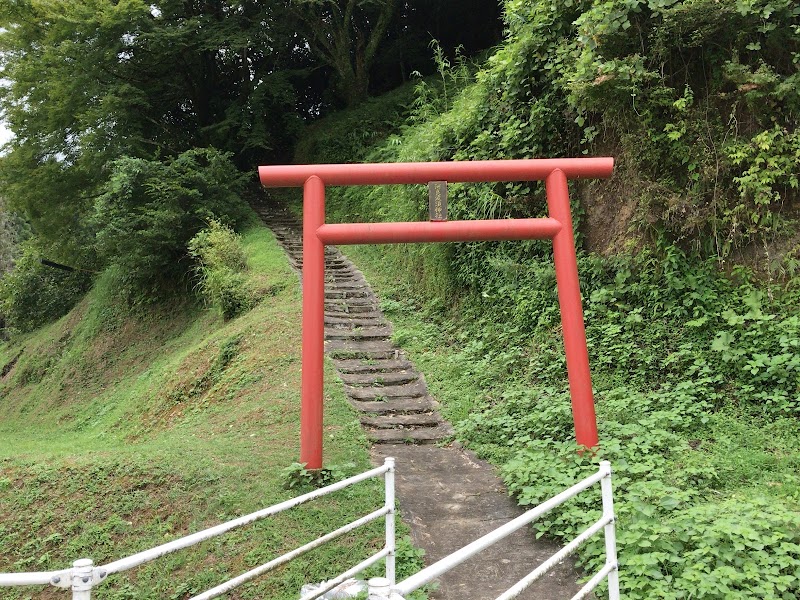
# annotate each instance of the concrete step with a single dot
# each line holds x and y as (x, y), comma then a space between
(373, 366)
(343, 279)
(364, 354)
(422, 435)
(358, 333)
(379, 379)
(424, 404)
(391, 421)
(351, 305)
(346, 286)
(375, 314)
(334, 294)
(352, 323)
(409, 390)
(349, 310)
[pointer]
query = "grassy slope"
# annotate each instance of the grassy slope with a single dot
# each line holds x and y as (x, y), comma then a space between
(120, 433)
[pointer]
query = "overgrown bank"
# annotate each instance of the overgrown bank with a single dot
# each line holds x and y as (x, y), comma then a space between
(695, 361)
(119, 432)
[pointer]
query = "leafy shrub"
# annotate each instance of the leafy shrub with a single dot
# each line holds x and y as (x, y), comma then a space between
(673, 543)
(297, 477)
(149, 211)
(718, 135)
(34, 294)
(221, 265)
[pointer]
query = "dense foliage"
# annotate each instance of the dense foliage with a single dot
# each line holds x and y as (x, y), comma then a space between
(92, 82)
(10, 237)
(149, 210)
(102, 91)
(34, 294)
(684, 362)
(699, 101)
(221, 269)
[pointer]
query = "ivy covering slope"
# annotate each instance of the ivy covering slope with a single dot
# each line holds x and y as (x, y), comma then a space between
(695, 360)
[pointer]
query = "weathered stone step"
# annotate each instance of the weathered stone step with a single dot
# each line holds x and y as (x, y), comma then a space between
(352, 321)
(364, 354)
(358, 333)
(334, 269)
(409, 390)
(350, 306)
(422, 435)
(347, 286)
(351, 302)
(372, 366)
(341, 307)
(332, 261)
(345, 279)
(375, 314)
(425, 404)
(335, 294)
(370, 379)
(391, 421)
(347, 345)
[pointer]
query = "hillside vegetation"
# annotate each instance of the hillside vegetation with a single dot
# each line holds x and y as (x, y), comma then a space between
(121, 398)
(121, 431)
(688, 272)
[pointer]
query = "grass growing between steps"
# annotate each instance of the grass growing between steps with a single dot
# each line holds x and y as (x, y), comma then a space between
(120, 432)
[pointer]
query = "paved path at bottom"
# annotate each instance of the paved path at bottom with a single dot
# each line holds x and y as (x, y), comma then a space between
(450, 498)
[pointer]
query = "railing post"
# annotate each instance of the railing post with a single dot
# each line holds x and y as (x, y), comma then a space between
(82, 579)
(610, 531)
(311, 412)
(378, 588)
(390, 522)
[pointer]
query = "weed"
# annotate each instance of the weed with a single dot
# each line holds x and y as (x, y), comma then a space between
(296, 476)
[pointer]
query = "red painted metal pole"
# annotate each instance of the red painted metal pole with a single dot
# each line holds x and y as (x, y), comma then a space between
(569, 298)
(313, 324)
(532, 169)
(439, 231)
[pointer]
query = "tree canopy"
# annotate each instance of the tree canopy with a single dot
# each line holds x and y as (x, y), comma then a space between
(89, 82)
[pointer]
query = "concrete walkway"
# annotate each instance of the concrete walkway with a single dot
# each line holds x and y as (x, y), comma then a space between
(450, 498)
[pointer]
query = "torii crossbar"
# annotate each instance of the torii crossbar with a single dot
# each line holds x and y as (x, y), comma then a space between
(557, 227)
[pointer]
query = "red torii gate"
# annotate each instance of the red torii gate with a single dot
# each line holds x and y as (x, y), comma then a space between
(557, 227)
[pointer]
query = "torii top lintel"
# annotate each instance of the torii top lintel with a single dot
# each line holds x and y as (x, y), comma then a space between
(533, 169)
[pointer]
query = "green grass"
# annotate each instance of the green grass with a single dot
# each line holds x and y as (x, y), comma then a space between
(119, 432)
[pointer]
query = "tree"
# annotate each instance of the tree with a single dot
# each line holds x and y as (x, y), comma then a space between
(345, 35)
(89, 82)
(8, 239)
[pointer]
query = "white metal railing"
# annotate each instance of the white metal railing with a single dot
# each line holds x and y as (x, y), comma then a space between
(84, 575)
(380, 588)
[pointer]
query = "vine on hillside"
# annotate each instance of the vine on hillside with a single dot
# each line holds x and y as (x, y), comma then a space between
(694, 86)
